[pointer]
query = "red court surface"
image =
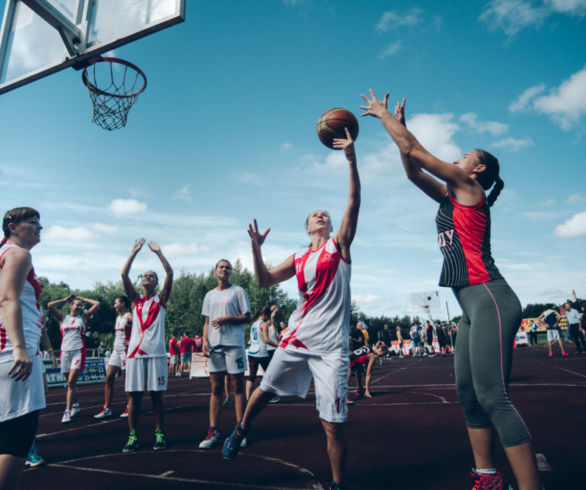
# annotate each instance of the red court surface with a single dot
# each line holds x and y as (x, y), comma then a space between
(410, 435)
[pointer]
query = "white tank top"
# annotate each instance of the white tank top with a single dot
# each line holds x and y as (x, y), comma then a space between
(72, 329)
(120, 331)
(273, 337)
(321, 321)
(258, 346)
(32, 317)
(148, 329)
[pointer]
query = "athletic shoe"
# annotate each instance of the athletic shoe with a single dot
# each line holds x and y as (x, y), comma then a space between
(244, 443)
(66, 417)
(160, 441)
(233, 443)
(132, 444)
(275, 399)
(564, 354)
(550, 354)
(489, 482)
(227, 401)
(33, 459)
(336, 486)
(105, 413)
(349, 402)
(211, 439)
(75, 410)
(124, 415)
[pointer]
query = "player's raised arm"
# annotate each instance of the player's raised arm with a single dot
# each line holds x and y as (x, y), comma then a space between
(126, 282)
(347, 230)
(168, 283)
(265, 277)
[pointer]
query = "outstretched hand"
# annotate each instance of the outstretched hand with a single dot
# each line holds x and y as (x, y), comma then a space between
(400, 112)
(138, 245)
(257, 238)
(346, 144)
(154, 246)
(375, 107)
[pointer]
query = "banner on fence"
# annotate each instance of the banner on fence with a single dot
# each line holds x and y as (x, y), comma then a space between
(94, 372)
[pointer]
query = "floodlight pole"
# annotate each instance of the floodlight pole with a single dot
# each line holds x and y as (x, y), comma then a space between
(69, 32)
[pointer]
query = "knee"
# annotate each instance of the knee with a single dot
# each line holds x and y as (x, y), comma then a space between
(237, 384)
(335, 432)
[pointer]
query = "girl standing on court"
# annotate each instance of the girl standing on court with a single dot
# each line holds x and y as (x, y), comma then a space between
(316, 343)
(491, 312)
(259, 343)
(226, 309)
(21, 324)
(72, 346)
(146, 363)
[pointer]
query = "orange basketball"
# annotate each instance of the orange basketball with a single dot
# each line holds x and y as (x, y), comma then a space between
(331, 125)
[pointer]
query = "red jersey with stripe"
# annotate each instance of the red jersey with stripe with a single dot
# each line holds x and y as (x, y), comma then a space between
(122, 330)
(72, 329)
(32, 316)
(148, 329)
(320, 322)
(464, 239)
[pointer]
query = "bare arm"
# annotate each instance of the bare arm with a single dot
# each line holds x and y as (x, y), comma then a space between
(267, 278)
(349, 222)
(232, 320)
(264, 328)
(93, 308)
(46, 346)
(371, 359)
(206, 328)
(54, 305)
(16, 265)
(460, 183)
(168, 284)
(126, 282)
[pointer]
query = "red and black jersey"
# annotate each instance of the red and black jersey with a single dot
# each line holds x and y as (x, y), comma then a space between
(464, 239)
(360, 356)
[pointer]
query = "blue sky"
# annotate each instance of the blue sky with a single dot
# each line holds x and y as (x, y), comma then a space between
(225, 132)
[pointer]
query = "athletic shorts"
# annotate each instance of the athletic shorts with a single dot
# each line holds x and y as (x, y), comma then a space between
(230, 359)
(553, 335)
(17, 435)
(253, 363)
(359, 361)
(290, 373)
(146, 373)
(118, 359)
(72, 359)
(417, 343)
(186, 357)
(173, 359)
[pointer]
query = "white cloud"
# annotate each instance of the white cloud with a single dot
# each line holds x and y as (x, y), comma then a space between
(105, 229)
(575, 198)
(574, 7)
(393, 19)
(60, 234)
(391, 49)
(513, 144)
(525, 98)
(512, 15)
(436, 133)
(127, 206)
(183, 194)
(574, 227)
(492, 127)
(286, 146)
(366, 298)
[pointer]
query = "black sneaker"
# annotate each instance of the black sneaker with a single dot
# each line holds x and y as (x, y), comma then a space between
(160, 441)
(233, 443)
(132, 444)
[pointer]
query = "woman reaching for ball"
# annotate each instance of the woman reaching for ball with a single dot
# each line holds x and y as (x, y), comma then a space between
(316, 342)
(491, 312)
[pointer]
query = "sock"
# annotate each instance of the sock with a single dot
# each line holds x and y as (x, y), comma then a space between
(485, 471)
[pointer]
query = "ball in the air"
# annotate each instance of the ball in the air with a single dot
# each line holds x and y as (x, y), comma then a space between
(331, 125)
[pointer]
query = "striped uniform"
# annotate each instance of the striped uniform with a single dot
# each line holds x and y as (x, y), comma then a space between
(73, 351)
(464, 239)
(146, 364)
(316, 342)
(22, 397)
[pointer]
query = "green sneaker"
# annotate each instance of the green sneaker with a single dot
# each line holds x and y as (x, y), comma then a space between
(132, 444)
(160, 441)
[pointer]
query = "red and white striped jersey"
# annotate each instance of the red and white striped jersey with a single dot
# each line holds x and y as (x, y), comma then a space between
(72, 329)
(148, 329)
(321, 321)
(32, 317)
(122, 331)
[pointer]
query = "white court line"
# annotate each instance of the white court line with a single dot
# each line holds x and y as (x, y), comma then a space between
(166, 476)
(542, 464)
(396, 371)
(571, 372)
(167, 473)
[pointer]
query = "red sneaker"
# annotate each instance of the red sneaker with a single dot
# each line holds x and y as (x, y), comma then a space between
(550, 355)
(564, 354)
(489, 482)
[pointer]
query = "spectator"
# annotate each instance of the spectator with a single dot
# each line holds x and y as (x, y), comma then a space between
(173, 356)
(533, 333)
(552, 318)
(186, 348)
(575, 327)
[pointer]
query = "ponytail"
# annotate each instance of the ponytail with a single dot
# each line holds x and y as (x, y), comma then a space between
(496, 190)
(490, 177)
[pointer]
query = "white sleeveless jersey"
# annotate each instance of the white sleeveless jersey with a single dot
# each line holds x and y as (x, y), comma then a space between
(120, 331)
(321, 321)
(258, 346)
(32, 317)
(148, 329)
(273, 337)
(72, 329)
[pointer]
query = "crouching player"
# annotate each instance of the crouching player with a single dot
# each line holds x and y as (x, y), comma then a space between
(366, 356)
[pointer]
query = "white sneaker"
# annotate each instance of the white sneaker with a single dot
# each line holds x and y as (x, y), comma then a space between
(275, 399)
(210, 440)
(243, 443)
(105, 413)
(66, 417)
(124, 415)
(75, 410)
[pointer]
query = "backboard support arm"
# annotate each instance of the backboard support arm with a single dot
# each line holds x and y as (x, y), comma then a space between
(69, 32)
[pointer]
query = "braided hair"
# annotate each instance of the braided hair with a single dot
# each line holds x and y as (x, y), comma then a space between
(490, 177)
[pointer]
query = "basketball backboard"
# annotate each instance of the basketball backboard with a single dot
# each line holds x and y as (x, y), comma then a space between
(41, 37)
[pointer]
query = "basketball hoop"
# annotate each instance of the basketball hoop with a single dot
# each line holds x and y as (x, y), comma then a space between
(114, 85)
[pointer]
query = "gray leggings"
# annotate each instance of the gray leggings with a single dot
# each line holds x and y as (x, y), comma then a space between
(484, 351)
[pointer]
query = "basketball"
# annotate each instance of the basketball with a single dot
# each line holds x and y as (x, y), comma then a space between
(331, 125)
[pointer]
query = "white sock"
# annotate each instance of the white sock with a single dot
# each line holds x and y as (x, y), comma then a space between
(485, 471)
